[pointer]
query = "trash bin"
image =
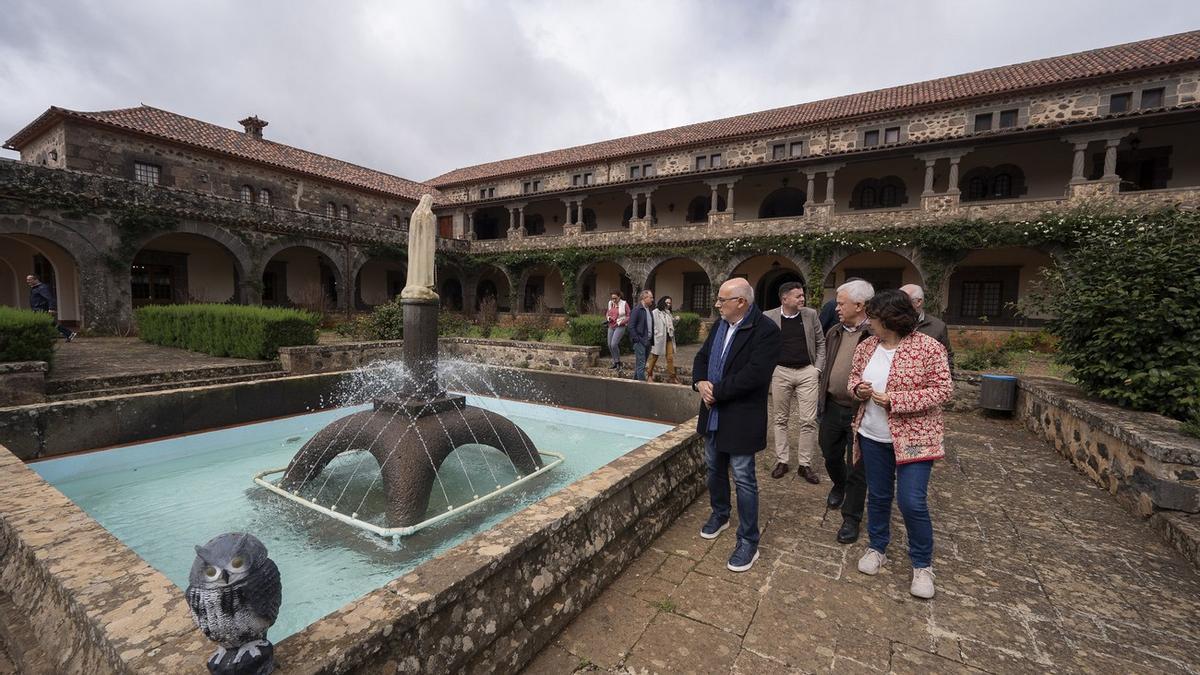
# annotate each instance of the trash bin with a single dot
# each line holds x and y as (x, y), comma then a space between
(998, 392)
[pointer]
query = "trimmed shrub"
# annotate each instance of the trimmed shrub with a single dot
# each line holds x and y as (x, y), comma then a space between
(1126, 303)
(26, 335)
(687, 328)
(227, 330)
(592, 330)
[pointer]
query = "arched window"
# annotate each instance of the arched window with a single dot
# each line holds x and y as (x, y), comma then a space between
(783, 203)
(641, 213)
(396, 222)
(330, 210)
(976, 188)
(264, 197)
(1002, 184)
(589, 220)
(345, 212)
(247, 194)
(867, 198)
(889, 197)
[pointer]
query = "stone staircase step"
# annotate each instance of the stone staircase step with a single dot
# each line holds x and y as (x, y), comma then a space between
(91, 384)
(162, 386)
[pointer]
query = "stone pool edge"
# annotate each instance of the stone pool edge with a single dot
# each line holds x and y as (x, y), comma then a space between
(488, 604)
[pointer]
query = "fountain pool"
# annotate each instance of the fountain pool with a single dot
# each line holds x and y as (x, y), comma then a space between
(163, 497)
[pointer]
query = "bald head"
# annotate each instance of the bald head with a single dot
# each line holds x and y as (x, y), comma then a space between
(916, 294)
(734, 299)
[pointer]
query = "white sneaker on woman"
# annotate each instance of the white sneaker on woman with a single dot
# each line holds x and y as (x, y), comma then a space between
(922, 582)
(871, 561)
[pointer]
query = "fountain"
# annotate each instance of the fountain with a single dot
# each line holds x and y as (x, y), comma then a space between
(411, 432)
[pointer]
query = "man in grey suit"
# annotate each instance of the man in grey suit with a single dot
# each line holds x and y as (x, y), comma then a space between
(796, 378)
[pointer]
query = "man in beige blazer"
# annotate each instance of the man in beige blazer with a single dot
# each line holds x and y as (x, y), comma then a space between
(796, 379)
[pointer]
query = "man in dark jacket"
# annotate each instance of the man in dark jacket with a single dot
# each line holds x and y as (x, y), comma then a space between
(641, 332)
(927, 323)
(41, 299)
(732, 372)
(838, 408)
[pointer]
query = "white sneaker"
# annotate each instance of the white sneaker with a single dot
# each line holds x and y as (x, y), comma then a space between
(922, 583)
(871, 561)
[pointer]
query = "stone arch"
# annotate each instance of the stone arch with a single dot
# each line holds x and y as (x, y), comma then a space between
(995, 279)
(103, 294)
(378, 280)
(242, 259)
(727, 269)
(687, 281)
(550, 291)
(331, 254)
(784, 202)
(192, 260)
(884, 268)
(596, 279)
(495, 281)
(766, 272)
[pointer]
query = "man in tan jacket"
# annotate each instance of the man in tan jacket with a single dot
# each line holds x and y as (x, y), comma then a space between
(796, 379)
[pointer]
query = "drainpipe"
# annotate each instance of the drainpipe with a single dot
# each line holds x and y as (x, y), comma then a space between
(349, 283)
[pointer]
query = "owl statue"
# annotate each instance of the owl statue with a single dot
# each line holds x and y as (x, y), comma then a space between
(234, 594)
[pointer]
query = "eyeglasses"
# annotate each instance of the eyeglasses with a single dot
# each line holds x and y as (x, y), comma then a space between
(721, 301)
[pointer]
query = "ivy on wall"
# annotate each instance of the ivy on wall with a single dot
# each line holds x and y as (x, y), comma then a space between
(941, 247)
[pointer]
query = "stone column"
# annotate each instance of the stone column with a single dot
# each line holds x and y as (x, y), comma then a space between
(512, 219)
(633, 215)
(928, 177)
(729, 197)
(470, 233)
(1110, 159)
(1079, 164)
(952, 187)
(812, 186)
(712, 207)
(829, 186)
(567, 218)
(521, 219)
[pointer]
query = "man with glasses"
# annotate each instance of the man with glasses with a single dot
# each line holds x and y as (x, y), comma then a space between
(732, 372)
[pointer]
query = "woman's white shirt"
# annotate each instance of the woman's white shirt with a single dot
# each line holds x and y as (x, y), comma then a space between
(874, 422)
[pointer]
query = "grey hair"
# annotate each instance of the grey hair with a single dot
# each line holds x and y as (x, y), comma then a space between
(645, 292)
(914, 291)
(857, 290)
(746, 292)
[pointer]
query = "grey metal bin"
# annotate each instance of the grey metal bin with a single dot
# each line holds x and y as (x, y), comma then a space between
(998, 392)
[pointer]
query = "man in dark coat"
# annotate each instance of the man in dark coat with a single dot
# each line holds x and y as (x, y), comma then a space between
(41, 299)
(732, 372)
(641, 332)
(928, 323)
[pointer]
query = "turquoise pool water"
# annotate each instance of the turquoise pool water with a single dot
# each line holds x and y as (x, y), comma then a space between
(162, 498)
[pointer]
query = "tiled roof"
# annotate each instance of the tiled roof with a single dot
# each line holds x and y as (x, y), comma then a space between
(186, 130)
(1096, 63)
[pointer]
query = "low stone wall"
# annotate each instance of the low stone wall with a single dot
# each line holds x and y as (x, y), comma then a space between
(349, 355)
(1141, 458)
(22, 382)
(487, 605)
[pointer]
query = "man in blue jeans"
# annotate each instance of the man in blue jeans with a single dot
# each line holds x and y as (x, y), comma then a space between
(641, 332)
(732, 372)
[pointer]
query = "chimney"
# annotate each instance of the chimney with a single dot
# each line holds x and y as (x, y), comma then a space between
(253, 125)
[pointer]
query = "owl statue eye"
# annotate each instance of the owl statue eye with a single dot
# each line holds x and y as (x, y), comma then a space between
(210, 572)
(237, 563)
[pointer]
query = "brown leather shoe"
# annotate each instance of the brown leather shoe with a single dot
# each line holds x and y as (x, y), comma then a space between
(780, 470)
(808, 474)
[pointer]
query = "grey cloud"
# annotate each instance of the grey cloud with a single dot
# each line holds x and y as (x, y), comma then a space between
(419, 89)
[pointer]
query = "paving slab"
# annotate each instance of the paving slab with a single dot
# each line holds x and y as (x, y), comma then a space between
(1038, 571)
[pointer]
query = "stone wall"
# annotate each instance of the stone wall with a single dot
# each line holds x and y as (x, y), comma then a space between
(1141, 458)
(1053, 107)
(22, 383)
(349, 355)
(103, 151)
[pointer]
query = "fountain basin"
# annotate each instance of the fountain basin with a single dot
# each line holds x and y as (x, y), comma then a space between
(488, 603)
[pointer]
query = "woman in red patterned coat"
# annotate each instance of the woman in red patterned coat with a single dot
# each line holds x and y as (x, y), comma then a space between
(903, 377)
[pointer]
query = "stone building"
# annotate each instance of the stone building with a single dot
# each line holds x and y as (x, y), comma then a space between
(142, 205)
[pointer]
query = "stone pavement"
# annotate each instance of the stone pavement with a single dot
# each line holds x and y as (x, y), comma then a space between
(1037, 571)
(108, 357)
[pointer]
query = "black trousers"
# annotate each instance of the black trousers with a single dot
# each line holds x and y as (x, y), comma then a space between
(837, 447)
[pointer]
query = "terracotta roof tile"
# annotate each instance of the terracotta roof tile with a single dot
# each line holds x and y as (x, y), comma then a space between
(1103, 62)
(178, 128)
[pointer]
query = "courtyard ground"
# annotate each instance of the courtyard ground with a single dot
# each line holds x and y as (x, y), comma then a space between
(1038, 571)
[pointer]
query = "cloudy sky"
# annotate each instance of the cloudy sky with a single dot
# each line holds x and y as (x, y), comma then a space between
(417, 89)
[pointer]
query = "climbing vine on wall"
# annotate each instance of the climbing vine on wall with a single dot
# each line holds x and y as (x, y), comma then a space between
(941, 247)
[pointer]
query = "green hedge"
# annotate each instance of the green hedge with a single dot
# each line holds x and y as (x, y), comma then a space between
(1126, 303)
(227, 330)
(26, 335)
(687, 328)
